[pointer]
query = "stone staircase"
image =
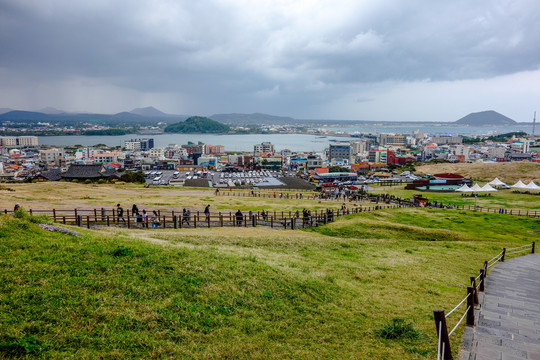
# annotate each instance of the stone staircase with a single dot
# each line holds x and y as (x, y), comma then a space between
(508, 321)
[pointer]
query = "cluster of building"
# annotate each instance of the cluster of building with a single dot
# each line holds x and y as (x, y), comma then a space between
(22, 157)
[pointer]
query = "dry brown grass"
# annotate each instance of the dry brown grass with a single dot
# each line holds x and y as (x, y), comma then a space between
(509, 172)
(66, 195)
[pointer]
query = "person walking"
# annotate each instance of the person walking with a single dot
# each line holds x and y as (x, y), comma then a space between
(207, 212)
(119, 213)
(134, 210)
(139, 218)
(239, 218)
(144, 219)
(184, 217)
(155, 219)
(264, 215)
(17, 207)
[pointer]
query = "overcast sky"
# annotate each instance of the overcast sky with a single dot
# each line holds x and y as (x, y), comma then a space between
(429, 60)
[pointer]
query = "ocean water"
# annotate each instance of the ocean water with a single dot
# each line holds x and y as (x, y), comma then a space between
(437, 129)
(281, 141)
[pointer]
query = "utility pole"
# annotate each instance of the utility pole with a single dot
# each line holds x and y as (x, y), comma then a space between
(534, 126)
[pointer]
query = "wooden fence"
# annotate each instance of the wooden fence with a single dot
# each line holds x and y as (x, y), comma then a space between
(378, 200)
(177, 220)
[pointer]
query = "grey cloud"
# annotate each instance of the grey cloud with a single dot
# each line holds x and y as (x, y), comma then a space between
(230, 54)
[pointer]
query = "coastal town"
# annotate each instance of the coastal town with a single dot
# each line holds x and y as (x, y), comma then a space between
(24, 159)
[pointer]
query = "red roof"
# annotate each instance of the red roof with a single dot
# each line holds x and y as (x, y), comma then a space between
(321, 170)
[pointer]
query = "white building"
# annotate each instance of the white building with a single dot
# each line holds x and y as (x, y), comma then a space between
(18, 141)
(51, 156)
(156, 153)
(496, 151)
(106, 158)
(359, 146)
(265, 147)
(460, 150)
(84, 154)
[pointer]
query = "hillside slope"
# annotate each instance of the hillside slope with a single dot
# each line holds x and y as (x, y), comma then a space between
(509, 172)
(255, 293)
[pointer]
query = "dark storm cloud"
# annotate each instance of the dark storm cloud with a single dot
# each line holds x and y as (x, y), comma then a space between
(240, 55)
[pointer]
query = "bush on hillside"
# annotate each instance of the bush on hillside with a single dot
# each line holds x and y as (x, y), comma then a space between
(36, 219)
(133, 177)
(398, 329)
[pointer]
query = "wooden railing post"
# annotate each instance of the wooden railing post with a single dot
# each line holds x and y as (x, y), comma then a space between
(442, 333)
(470, 306)
(482, 278)
(54, 214)
(485, 268)
(504, 253)
(473, 284)
(88, 221)
(533, 244)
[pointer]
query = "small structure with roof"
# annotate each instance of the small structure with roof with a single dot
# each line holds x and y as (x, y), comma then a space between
(88, 172)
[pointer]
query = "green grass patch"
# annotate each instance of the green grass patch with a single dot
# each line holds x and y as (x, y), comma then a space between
(257, 293)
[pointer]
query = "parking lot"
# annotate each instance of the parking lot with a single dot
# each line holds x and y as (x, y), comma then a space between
(218, 178)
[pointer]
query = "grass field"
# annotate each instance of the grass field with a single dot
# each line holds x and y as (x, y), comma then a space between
(496, 200)
(258, 294)
(69, 195)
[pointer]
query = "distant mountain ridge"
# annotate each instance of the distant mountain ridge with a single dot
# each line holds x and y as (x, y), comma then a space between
(148, 111)
(485, 118)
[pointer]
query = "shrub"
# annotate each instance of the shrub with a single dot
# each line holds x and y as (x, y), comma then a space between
(25, 345)
(87, 181)
(122, 251)
(102, 181)
(398, 329)
(36, 219)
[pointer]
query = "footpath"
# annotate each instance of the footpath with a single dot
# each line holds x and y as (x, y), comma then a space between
(508, 325)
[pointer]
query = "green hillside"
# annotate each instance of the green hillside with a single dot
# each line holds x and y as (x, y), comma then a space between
(198, 124)
(252, 294)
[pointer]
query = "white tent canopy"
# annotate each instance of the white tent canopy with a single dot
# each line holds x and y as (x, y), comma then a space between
(532, 186)
(476, 187)
(496, 182)
(464, 188)
(488, 187)
(519, 185)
